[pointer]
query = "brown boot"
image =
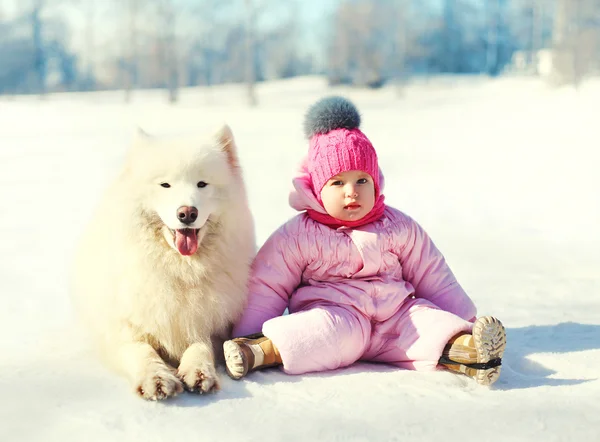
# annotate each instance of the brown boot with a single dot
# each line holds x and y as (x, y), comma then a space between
(478, 355)
(248, 353)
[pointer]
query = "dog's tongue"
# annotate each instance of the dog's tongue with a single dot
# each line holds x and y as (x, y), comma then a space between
(186, 241)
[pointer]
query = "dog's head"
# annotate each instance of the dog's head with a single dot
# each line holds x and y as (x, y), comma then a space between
(183, 182)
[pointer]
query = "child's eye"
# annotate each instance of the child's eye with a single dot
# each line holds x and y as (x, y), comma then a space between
(336, 183)
(363, 181)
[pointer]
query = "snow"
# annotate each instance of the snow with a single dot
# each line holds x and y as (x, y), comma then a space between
(501, 173)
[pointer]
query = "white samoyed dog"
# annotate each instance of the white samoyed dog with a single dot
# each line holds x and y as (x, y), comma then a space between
(161, 273)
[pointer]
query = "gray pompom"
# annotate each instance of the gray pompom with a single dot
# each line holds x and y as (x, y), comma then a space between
(330, 113)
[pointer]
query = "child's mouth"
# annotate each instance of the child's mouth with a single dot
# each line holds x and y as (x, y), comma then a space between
(352, 206)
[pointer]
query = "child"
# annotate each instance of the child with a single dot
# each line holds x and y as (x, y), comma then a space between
(362, 280)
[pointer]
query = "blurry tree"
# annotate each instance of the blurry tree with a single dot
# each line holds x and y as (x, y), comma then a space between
(576, 41)
(279, 51)
(375, 41)
(498, 42)
(404, 43)
(531, 28)
(167, 18)
(203, 56)
(148, 52)
(209, 42)
(255, 33)
(451, 39)
(459, 45)
(90, 11)
(33, 50)
(17, 54)
(474, 37)
(250, 68)
(49, 37)
(38, 44)
(368, 42)
(128, 63)
(540, 31)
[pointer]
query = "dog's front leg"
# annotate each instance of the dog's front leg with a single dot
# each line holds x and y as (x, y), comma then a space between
(150, 376)
(197, 368)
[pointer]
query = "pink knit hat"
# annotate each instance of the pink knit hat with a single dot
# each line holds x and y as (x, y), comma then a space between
(336, 144)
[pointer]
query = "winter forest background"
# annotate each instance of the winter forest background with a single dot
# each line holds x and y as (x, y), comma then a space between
(84, 45)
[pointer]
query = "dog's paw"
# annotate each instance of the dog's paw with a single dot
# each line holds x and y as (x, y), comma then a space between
(200, 377)
(159, 383)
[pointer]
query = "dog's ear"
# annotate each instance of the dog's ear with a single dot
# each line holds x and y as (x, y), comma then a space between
(140, 139)
(141, 134)
(227, 145)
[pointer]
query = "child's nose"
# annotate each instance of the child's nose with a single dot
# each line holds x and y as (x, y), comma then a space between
(351, 190)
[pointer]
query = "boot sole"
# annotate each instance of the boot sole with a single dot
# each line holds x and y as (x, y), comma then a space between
(489, 337)
(236, 363)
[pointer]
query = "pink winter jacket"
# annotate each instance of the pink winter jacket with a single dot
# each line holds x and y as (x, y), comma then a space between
(373, 268)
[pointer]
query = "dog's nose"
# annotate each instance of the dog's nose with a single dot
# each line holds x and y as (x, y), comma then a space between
(187, 214)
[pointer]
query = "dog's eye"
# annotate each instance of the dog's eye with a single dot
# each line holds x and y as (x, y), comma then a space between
(202, 184)
(165, 185)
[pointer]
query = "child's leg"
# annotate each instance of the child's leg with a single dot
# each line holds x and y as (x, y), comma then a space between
(415, 336)
(420, 336)
(325, 337)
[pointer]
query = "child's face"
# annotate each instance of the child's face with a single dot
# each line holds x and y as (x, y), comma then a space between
(349, 196)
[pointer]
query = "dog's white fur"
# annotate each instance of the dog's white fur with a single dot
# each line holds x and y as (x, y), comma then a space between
(156, 314)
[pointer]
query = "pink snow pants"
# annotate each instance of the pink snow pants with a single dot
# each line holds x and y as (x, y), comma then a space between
(328, 336)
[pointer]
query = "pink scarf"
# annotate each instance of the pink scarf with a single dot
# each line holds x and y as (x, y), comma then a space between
(324, 218)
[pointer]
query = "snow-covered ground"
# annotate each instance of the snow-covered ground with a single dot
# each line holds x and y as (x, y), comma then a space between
(503, 174)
